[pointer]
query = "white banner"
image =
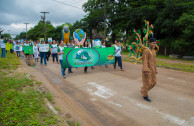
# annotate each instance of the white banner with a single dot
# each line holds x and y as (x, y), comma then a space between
(17, 47)
(44, 47)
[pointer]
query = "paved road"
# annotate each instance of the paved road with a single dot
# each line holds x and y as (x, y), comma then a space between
(112, 98)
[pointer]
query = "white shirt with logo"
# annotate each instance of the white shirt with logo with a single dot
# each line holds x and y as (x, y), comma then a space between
(61, 50)
(2, 44)
(54, 48)
(118, 51)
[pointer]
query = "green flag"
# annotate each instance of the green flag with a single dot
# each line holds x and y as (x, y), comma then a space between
(76, 57)
(28, 50)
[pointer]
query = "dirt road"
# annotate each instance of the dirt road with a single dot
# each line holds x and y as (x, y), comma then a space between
(105, 97)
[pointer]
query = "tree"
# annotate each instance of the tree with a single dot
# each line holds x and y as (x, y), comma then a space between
(38, 31)
(7, 36)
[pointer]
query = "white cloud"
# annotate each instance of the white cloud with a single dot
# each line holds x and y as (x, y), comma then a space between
(16, 12)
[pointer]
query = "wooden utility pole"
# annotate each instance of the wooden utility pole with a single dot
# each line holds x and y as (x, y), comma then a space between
(26, 30)
(44, 21)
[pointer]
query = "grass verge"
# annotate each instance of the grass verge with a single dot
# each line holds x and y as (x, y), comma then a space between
(20, 103)
(165, 64)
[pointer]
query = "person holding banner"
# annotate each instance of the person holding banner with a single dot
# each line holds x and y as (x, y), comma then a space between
(89, 46)
(118, 50)
(17, 49)
(43, 52)
(27, 56)
(54, 51)
(85, 45)
(60, 52)
(104, 46)
(70, 46)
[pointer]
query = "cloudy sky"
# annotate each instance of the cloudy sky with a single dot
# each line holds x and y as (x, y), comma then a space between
(14, 13)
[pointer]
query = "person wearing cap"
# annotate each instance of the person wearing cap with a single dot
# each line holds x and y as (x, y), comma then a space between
(149, 70)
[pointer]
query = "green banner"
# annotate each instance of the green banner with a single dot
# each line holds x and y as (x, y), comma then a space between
(28, 50)
(82, 57)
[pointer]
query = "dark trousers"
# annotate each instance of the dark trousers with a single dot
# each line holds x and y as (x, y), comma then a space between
(11, 50)
(43, 56)
(70, 70)
(48, 55)
(55, 55)
(18, 53)
(85, 69)
(119, 62)
(62, 68)
(3, 52)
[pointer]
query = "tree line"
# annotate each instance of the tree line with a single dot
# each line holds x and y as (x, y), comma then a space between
(173, 22)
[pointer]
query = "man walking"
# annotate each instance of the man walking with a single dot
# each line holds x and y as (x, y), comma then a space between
(149, 70)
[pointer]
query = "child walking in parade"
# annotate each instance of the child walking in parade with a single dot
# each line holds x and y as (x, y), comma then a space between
(149, 70)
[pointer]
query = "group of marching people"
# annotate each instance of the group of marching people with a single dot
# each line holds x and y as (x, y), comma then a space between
(56, 49)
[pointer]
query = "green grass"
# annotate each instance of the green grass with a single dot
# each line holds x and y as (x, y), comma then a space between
(11, 62)
(74, 123)
(20, 103)
(166, 64)
(177, 66)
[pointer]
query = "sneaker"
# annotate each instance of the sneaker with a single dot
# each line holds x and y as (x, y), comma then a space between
(64, 76)
(58, 62)
(122, 69)
(45, 64)
(53, 62)
(147, 99)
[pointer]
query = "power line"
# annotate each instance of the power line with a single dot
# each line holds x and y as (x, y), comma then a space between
(67, 4)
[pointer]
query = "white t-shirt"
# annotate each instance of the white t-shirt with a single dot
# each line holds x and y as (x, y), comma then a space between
(26, 44)
(118, 51)
(103, 46)
(54, 48)
(60, 48)
(2, 44)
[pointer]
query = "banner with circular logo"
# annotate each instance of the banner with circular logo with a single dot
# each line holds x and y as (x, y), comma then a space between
(83, 57)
